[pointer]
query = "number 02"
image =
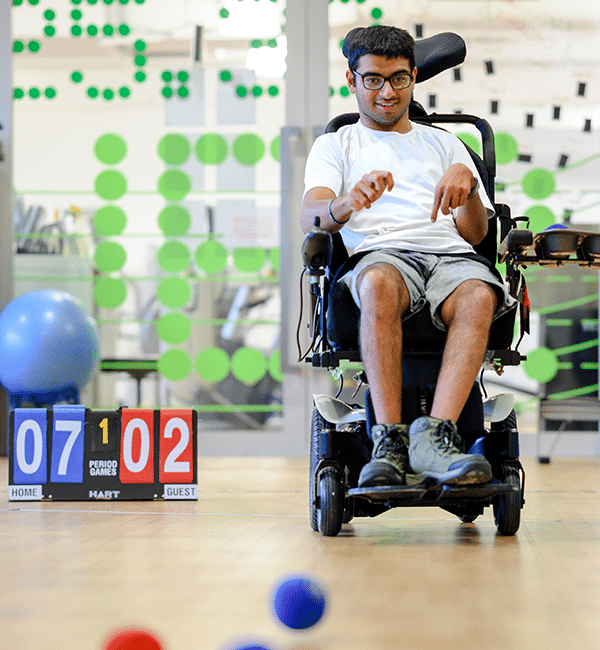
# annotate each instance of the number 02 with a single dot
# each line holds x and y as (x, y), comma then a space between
(138, 465)
(171, 462)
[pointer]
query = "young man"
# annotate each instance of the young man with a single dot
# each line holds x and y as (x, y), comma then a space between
(410, 196)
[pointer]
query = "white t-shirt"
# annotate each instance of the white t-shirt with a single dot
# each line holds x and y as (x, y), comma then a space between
(401, 218)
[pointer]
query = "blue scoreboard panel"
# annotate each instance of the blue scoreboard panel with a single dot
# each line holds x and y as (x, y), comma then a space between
(72, 453)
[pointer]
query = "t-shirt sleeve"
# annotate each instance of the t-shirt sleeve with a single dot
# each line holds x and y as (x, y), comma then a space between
(324, 166)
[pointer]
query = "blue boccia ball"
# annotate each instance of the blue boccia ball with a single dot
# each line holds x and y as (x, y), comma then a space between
(298, 601)
(48, 342)
(557, 226)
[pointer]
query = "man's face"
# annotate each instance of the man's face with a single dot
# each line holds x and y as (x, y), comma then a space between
(385, 109)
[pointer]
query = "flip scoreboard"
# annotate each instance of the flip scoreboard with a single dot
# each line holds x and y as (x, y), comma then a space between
(72, 453)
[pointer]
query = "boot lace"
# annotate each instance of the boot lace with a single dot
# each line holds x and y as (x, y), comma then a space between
(446, 439)
(393, 442)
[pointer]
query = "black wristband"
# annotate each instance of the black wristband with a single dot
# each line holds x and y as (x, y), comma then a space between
(474, 189)
(339, 223)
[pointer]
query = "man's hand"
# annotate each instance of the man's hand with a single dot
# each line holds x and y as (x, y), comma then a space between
(368, 189)
(452, 190)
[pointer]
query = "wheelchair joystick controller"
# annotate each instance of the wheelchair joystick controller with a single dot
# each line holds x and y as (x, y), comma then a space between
(317, 249)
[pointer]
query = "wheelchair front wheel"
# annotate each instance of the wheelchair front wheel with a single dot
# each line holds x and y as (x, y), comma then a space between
(507, 507)
(330, 513)
(318, 424)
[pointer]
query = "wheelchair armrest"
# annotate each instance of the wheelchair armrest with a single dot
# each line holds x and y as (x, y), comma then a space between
(515, 242)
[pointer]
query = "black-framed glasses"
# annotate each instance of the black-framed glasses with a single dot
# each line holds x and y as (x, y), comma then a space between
(398, 81)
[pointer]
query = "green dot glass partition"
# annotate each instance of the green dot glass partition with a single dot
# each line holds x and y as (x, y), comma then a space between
(164, 175)
(169, 193)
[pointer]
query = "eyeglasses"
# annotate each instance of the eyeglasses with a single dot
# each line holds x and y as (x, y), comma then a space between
(398, 81)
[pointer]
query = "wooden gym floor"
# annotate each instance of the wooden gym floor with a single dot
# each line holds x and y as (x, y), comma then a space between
(199, 573)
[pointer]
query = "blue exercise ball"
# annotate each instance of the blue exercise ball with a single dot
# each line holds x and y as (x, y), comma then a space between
(48, 342)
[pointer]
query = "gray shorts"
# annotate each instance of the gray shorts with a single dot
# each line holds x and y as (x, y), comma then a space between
(431, 279)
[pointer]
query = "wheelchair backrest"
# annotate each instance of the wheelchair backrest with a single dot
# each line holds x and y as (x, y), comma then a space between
(432, 55)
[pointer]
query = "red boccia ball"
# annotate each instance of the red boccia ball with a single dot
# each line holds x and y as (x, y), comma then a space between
(132, 639)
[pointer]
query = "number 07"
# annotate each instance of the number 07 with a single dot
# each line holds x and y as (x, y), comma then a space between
(66, 464)
(74, 429)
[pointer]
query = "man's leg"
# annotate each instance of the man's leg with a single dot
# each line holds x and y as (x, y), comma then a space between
(384, 298)
(468, 314)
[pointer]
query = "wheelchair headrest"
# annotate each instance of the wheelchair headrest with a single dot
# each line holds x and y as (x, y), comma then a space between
(432, 55)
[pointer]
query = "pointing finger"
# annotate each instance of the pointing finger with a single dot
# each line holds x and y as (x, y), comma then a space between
(436, 207)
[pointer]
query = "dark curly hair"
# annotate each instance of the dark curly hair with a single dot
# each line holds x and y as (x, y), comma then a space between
(381, 40)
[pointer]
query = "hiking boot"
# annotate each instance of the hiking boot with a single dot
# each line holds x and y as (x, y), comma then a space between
(389, 460)
(433, 453)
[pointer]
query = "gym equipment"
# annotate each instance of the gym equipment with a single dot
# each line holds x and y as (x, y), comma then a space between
(49, 348)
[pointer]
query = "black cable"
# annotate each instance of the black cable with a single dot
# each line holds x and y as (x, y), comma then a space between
(482, 385)
(311, 347)
(519, 341)
(341, 388)
(300, 357)
(316, 312)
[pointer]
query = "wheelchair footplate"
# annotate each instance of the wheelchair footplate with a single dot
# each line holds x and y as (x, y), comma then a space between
(430, 493)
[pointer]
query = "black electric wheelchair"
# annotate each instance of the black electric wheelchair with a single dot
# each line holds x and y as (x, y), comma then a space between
(339, 443)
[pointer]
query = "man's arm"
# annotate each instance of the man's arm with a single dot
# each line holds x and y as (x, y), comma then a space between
(362, 195)
(315, 205)
(452, 192)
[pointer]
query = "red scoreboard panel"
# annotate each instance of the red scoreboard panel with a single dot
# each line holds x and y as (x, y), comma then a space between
(71, 453)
